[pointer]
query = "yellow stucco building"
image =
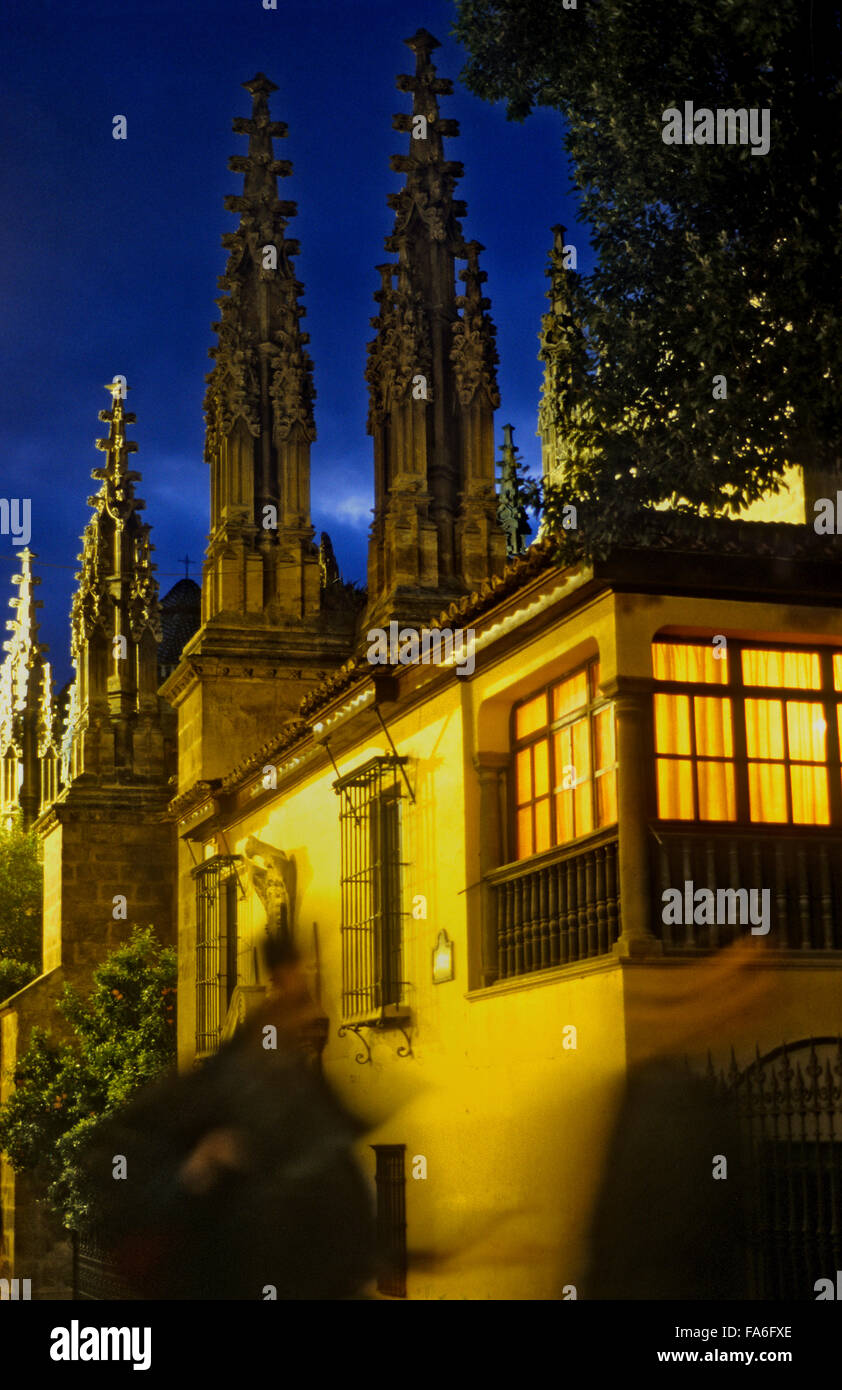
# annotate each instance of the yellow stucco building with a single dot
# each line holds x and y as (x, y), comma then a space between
(503, 809)
(471, 853)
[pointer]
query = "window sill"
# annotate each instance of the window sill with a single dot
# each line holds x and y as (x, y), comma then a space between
(554, 975)
(399, 1014)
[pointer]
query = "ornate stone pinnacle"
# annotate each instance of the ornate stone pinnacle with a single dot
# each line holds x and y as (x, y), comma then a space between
(561, 335)
(562, 411)
(260, 394)
(557, 293)
(474, 354)
(511, 512)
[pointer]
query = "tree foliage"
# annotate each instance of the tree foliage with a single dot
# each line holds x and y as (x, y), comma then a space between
(711, 260)
(123, 1038)
(20, 907)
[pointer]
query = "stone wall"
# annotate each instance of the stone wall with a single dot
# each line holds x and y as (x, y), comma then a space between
(92, 857)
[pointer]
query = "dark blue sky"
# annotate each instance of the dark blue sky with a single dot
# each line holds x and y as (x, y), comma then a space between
(111, 249)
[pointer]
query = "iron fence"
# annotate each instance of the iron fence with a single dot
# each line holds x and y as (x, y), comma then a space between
(790, 1104)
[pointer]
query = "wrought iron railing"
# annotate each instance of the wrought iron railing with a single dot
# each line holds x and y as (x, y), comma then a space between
(802, 873)
(216, 947)
(556, 908)
(790, 1103)
(94, 1277)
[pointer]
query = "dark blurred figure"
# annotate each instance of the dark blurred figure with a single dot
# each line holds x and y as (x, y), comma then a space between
(240, 1175)
(663, 1226)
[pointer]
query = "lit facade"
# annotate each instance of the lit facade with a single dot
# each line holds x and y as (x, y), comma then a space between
(539, 808)
(471, 866)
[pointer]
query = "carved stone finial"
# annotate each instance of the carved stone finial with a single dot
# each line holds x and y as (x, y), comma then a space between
(260, 85)
(116, 389)
(511, 512)
(422, 41)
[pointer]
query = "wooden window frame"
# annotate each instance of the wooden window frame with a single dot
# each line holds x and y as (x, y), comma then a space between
(594, 705)
(737, 691)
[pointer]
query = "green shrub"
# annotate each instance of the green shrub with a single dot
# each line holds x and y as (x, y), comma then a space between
(123, 1038)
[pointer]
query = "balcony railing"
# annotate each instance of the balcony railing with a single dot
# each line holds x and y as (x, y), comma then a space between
(556, 908)
(802, 873)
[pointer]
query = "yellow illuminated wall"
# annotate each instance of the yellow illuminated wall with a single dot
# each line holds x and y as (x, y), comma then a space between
(511, 1118)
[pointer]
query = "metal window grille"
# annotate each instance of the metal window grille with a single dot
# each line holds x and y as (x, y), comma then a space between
(370, 829)
(216, 946)
(391, 1219)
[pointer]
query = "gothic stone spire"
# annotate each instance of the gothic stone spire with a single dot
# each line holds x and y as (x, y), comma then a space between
(431, 376)
(511, 510)
(259, 402)
(115, 624)
(21, 677)
(562, 352)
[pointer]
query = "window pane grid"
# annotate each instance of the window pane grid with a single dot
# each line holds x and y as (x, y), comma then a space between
(781, 776)
(564, 770)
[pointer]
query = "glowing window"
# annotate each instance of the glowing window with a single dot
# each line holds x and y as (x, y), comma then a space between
(798, 670)
(564, 766)
(742, 755)
(692, 665)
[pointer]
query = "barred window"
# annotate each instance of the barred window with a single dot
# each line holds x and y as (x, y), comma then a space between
(216, 946)
(391, 1219)
(372, 916)
(750, 734)
(565, 778)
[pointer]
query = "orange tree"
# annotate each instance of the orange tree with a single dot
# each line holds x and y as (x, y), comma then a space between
(123, 1037)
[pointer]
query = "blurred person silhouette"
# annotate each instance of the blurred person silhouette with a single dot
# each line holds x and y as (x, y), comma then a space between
(241, 1181)
(662, 1226)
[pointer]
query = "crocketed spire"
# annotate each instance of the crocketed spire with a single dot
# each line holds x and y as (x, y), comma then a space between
(431, 376)
(114, 730)
(259, 401)
(564, 388)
